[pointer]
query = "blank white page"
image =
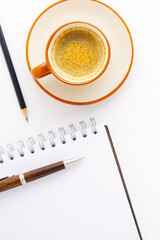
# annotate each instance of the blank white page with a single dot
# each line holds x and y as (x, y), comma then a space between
(86, 201)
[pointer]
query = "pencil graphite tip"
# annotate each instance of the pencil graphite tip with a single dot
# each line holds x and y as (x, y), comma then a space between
(24, 111)
(69, 162)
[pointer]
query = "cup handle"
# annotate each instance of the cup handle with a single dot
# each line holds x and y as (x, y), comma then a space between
(40, 71)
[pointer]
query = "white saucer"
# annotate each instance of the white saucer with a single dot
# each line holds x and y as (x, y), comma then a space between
(111, 24)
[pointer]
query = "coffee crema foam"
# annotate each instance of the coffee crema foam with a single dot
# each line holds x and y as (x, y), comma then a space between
(78, 53)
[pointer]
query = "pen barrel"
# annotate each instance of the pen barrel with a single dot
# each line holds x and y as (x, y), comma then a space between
(15, 181)
(9, 183)
(44, 171)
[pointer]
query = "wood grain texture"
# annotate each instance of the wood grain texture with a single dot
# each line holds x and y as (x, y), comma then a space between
(9, 183)
(44, 171)
(12, 182)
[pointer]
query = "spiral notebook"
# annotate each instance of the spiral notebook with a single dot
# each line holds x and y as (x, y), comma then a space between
(86, 201)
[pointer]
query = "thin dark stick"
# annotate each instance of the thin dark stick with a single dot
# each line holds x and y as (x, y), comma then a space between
(13, 74)
(123, 182)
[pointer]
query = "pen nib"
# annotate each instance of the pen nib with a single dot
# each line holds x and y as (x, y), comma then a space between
(69, 162)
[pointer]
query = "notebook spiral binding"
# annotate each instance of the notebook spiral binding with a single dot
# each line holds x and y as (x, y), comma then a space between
(51, 137)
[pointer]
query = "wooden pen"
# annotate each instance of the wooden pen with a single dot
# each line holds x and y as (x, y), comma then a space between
(18, 180)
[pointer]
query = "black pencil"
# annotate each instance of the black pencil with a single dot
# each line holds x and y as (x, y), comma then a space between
(13, 74)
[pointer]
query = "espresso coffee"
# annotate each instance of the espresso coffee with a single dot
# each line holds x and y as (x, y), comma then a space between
(78, 53)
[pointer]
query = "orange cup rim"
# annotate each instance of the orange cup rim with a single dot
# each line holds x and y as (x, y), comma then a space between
(74, 102)
(76, 83)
